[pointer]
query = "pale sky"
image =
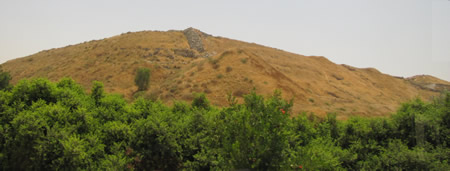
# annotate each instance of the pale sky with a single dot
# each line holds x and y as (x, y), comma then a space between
(398, 37)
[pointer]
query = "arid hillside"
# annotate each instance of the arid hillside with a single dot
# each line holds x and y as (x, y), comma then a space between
(184, 62)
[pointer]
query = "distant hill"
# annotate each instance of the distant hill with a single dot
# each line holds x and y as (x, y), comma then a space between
(184, 62)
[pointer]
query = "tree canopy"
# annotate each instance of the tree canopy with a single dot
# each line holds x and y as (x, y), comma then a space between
(58, 126)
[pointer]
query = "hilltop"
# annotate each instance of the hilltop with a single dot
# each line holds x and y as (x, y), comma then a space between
(188, 61)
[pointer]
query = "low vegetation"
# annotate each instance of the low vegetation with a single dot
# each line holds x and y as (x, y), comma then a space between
(142, 79)
(57, 126)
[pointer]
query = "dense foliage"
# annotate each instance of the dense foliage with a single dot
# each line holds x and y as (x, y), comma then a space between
(5, 77)
(57, 126)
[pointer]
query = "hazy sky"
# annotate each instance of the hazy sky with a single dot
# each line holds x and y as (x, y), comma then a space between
(398, 37)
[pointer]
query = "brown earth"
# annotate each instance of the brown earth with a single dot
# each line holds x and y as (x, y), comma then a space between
(184, 62)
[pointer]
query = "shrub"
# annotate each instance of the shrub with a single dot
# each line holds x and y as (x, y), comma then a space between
(228, 69)
(200, 101)
(142, 79)
(219, 76)
(215, 66)
(231, 99)
(207, 91)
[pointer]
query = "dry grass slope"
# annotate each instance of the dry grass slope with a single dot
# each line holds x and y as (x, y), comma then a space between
(222, 66)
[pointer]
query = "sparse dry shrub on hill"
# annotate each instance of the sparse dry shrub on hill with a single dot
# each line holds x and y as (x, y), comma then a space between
(215, 66)
(229, 69)
(219, 76)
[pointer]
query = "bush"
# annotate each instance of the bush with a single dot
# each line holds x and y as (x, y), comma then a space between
(228, 69)
(200, 101)
(142, 79)
(219, 76)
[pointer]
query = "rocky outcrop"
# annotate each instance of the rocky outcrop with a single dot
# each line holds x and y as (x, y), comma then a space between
(188, 53)
(194, 38)
(436, 87)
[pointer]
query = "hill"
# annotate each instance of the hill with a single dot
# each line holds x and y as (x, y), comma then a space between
(188, 61)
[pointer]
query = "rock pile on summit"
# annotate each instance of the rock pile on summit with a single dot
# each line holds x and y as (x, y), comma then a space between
(194, 39)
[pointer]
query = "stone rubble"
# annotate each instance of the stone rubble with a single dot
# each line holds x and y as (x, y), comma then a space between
(194, 39)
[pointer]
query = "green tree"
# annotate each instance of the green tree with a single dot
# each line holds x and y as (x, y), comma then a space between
(29, 91)
(255, 133)
(156, 146)
(142, 79)
(97, 92)
(4, 79)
